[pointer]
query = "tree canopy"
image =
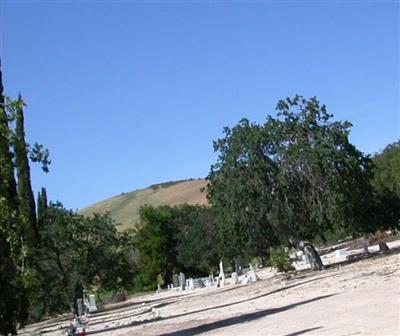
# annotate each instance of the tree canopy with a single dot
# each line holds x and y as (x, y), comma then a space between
(297, 176)
(175, 239)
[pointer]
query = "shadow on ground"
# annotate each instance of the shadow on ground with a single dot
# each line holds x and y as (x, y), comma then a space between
(301, 332)
(243, 319)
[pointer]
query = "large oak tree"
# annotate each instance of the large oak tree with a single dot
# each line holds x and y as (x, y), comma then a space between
(296, 176)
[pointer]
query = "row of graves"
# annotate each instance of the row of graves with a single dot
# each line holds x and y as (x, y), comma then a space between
(335, 254)
(181, 283)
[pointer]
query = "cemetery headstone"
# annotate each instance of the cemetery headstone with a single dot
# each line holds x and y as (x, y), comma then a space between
(253, 276)
(92, 303)
(79, 303)
(182, 281)
(211, 279)
(221, 274)
(340, 253)
(235, 278)
(175, 280)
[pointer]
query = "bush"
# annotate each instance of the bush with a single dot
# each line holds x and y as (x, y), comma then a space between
(279, 259)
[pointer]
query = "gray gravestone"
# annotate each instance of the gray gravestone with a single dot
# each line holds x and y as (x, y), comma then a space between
(175, 280)
(182, 281)
(79, 303)
(211, 279)
(235, 278)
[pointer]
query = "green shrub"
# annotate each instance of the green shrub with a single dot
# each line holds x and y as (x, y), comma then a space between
(279, 259)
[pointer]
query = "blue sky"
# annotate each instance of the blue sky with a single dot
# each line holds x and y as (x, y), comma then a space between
(127, 93)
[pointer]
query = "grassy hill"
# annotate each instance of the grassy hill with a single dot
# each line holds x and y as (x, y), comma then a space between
(124, 208)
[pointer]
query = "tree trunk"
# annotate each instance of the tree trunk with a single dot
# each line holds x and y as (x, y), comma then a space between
(310, 253)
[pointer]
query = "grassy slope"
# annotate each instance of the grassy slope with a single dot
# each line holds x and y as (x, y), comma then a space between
(124, 208)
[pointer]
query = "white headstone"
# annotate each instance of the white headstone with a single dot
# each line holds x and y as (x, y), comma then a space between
(92, 303)
(211, 279)
(221, 269)
(235, 278)
(340, 253)
(221, 274)
(246, 280)
(253, 276)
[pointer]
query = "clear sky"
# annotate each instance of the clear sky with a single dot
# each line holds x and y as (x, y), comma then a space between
(128, 93)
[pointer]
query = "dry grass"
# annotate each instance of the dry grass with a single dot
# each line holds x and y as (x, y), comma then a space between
(124, 208)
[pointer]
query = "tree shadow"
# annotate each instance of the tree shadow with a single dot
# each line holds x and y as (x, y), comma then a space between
(218, 324)
(250, 299)
(300, 332)
(245, 318)
(119, 317)
(132, 305)
(131, 314)
(166, 301)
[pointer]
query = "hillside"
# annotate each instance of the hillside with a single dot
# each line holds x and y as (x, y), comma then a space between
(124, 208)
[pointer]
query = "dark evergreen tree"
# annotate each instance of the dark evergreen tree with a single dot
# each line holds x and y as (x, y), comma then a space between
(17, 214)
(9, 240)
(41, 206)
(27, 207)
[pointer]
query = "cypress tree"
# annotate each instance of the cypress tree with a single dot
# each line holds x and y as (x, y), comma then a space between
(41, 206)
(27, 207)
(8, 188)
(9, 303)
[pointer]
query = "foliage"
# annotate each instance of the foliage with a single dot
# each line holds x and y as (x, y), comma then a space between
(280, 260)
(46, 260)
(76, 253)
(386, 183)
(175, 239)
(41, 206)
(297, 175)
(167, 184)
(198, 248)
(16, 218)
(387, 169)
(157, 244)
(27, 207)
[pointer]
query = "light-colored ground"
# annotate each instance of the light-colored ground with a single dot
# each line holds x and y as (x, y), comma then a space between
(358, 298)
